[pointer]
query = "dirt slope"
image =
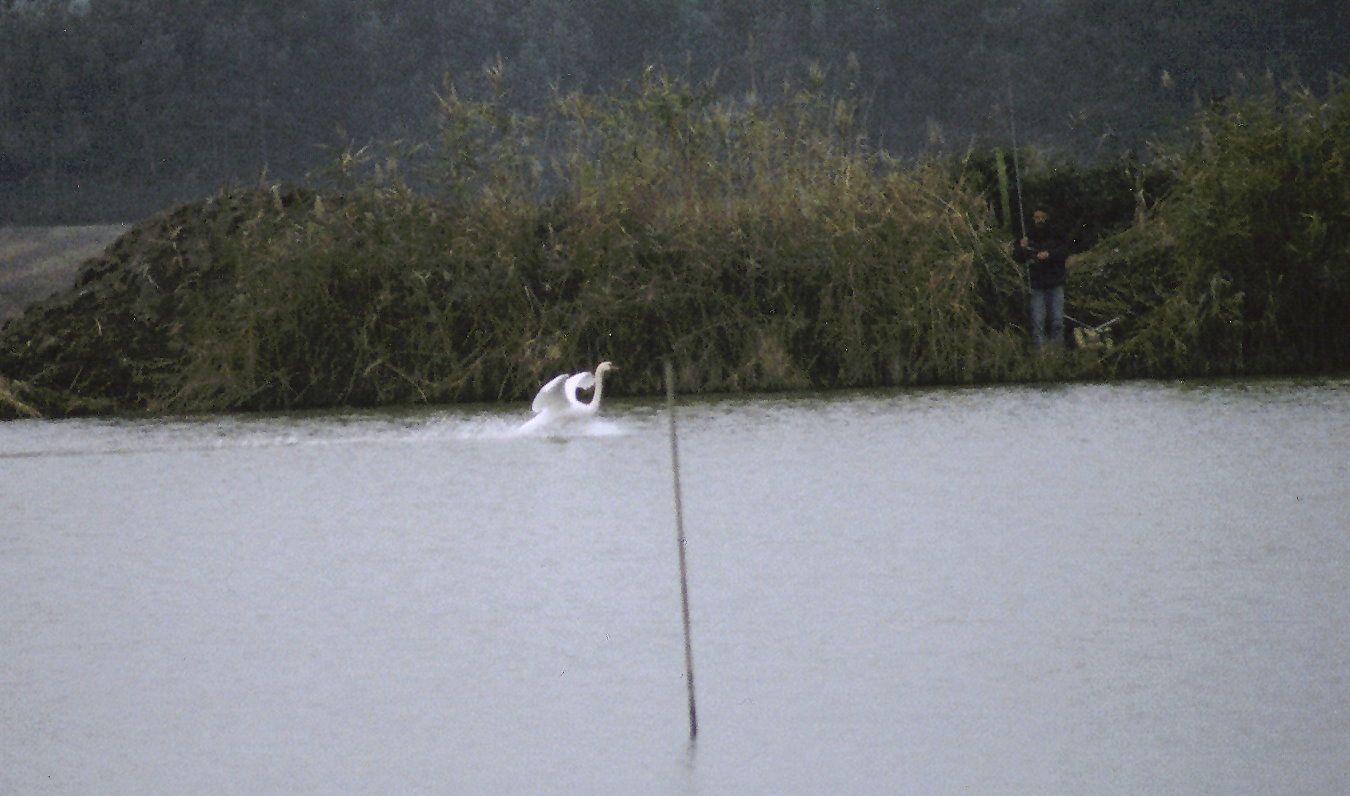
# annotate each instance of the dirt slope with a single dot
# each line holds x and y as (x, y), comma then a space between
(38, 261)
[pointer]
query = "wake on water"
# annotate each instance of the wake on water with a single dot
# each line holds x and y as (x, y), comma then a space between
(41, 438)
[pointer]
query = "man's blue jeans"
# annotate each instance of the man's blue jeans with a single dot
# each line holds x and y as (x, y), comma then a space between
(1047, 309)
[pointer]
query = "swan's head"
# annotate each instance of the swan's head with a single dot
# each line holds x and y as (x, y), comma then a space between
(605, 367)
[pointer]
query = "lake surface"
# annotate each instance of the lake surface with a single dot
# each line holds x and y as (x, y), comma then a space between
(1134, 588)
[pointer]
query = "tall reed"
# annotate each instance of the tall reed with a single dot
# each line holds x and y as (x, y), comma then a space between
(763, 246)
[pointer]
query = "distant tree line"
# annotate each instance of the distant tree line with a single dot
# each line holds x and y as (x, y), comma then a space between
(114, 109)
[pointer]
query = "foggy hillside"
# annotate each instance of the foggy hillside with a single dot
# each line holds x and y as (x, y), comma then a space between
(113, 109)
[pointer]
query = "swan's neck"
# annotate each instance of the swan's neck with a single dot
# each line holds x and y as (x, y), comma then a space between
(594, 403)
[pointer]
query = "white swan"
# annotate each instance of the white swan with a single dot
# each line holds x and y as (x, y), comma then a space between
(557, 403)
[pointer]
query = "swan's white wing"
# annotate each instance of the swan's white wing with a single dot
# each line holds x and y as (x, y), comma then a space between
(577, 381)
(551, 395)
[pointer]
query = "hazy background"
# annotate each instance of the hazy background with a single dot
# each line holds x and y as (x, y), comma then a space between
(113, 109)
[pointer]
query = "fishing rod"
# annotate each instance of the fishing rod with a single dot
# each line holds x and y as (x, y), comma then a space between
(1017, 167)
(1017, 180)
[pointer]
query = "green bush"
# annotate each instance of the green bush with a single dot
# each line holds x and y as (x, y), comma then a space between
(1245, 265)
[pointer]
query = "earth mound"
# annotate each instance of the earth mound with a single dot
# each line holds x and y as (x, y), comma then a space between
(108, 342)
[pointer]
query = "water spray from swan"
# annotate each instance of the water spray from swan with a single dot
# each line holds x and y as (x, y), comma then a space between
(557, 405)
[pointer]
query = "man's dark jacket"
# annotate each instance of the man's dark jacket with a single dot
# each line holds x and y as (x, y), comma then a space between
(1050, 271)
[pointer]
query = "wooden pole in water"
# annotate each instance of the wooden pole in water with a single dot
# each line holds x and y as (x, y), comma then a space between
(679, 531)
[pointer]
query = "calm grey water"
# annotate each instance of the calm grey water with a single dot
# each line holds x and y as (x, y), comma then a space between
(1086, 589)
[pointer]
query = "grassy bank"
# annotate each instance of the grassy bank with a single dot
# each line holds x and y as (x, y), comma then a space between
(760, 245)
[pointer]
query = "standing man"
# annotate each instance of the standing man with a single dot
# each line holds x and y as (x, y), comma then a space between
(1043, 252)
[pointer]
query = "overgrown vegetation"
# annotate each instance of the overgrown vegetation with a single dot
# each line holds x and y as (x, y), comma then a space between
(1244, 267)
(760, 245)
